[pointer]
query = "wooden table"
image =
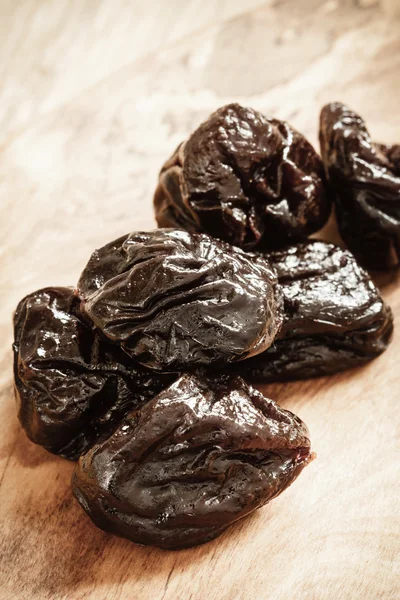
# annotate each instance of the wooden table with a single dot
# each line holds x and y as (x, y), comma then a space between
(94, 97)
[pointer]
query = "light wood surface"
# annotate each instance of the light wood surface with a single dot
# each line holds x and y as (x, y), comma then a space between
(50, 51)
(82, 143)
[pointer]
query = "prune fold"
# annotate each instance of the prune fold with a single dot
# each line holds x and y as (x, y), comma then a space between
(70, 385)
(250, 180)
(334, 317)
(204, 453)
(176, 300)
(365, 180)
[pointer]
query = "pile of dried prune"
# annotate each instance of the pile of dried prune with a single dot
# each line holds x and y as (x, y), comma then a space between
(140, 371)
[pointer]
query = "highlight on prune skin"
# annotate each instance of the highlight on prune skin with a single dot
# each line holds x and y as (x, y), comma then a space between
(204, 453)
(176, 300)
(335, 318)
(365, 179)
(248, 179)
(70, 385)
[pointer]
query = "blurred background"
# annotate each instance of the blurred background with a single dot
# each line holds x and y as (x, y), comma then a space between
(94, 96)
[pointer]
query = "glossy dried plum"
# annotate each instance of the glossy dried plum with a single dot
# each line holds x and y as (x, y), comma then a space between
(250, 180)
(204, 453)
(70, 385)
(334, 317)
(176, 300)
(365, 179)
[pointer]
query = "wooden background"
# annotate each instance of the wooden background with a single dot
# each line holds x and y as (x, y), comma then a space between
(94, 95)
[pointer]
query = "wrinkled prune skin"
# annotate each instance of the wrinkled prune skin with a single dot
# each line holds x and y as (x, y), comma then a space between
(365, 180)
(204, 453)
(71, 386)
(176, 300)
(250, 180)
(335, 318)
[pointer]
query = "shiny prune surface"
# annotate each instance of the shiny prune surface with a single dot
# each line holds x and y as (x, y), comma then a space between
(365, 180)
(204, 453)
(335, 318)
(70, 385)
(176, 300)
(245, 178)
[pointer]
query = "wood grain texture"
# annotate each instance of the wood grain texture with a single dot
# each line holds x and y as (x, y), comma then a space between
(51, 51)
(84, 173)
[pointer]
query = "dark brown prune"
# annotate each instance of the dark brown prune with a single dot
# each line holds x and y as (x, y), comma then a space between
(204, 453)
(250, 180)
(176, 300)
(70, 385)
(334, 318)
(365, 180)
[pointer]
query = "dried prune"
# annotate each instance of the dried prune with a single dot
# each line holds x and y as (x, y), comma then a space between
(204, 453)
(365, 179)
(70, 385)
(176, 300)
(334, 318)
(250, 180)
